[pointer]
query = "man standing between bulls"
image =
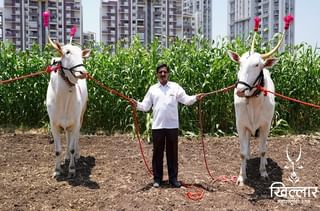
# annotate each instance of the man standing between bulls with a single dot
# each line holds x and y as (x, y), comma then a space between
(164, 97)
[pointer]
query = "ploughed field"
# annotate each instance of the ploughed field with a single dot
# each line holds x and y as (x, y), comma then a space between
(111, 175)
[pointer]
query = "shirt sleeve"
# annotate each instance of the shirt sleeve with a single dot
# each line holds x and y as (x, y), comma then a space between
(185, 99)
(146, 104)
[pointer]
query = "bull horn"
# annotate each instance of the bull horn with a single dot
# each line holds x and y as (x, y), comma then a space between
(55, 46)
(267, 55)
(253, 41)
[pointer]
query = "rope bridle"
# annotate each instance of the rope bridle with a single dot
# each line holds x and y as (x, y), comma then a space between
(259, 81)
(57, 66)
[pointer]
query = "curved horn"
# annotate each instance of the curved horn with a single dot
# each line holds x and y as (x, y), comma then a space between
(289, 159)
(253, 41)
(256, 28)
(267, 55)
(55, 46)
(299, 154)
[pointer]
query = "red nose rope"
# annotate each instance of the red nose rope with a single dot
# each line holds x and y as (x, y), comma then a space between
(265, 91)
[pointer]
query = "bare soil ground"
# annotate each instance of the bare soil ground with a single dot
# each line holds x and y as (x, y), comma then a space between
(111, 175)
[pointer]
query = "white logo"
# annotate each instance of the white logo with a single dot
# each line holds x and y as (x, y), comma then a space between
(293, 193)
(293, 177)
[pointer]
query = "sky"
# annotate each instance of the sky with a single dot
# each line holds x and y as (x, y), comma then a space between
(307, 17)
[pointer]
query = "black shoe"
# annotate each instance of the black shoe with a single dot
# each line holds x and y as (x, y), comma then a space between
(175, 184)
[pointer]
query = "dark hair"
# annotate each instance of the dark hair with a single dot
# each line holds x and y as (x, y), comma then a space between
(161, 66)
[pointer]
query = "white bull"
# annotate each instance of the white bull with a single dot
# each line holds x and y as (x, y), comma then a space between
(254, 110)
(66, 102)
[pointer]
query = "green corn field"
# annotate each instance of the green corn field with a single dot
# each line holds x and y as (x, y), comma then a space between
(197, 65)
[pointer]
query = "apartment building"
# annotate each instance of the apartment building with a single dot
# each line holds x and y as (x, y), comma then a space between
(23, 21)
(201, 12)
(88, 37)
(1, 24)
(271, 12)
(147, 19)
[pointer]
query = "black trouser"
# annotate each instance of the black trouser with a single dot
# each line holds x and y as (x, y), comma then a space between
(165, 138)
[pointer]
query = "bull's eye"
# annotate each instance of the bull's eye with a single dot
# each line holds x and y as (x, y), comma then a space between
(257, 65)
(68, 52)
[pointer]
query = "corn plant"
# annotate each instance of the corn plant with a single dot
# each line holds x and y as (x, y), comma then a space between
(197, 65)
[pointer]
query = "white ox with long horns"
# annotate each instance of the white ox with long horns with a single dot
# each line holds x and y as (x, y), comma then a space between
(254, 110)
(66, 102)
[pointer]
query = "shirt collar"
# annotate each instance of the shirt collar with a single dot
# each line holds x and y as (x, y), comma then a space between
(166, 85)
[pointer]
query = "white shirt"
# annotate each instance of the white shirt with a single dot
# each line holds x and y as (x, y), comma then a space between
(164, 101)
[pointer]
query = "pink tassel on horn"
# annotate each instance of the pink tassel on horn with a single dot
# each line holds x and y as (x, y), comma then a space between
(256, 23)
(287, 20)
(73, 31)
(46, 17)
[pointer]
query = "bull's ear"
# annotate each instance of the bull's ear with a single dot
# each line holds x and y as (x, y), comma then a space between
(270, 62)
(86, 53)
(234, 56)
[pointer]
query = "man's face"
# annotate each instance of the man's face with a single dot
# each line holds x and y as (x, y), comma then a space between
(163, 75)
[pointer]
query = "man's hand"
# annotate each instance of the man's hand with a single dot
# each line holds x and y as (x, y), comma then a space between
(133, 102)
(200, 96)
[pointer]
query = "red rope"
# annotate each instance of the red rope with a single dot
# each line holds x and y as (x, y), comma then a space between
(23, 77)
(137, 129)
(112, 91)
(287, 98)
(222, 178)
(226, 89)
(198, 194)
(134, 114)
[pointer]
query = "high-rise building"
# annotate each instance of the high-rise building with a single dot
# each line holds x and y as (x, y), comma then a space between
(23, 21)
(271, 12)
(1, 24)
(88, 37)
(201, 12)
(147, 19)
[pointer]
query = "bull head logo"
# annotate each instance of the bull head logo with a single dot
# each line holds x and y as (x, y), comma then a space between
(293, 177)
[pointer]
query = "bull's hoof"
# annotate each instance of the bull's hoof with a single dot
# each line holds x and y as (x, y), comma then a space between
(72, 172)
(71, 175)
(56, 174)
(240, 181)
(265, 178)
(264, 175)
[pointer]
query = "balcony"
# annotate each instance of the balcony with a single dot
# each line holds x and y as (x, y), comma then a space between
(33, 4)
(35, 35)
(10, 33)
(76, 6)
(8, 20)
(141, 17)
(75, 21)
(11, 4)
(52, 5)
(124, 17)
